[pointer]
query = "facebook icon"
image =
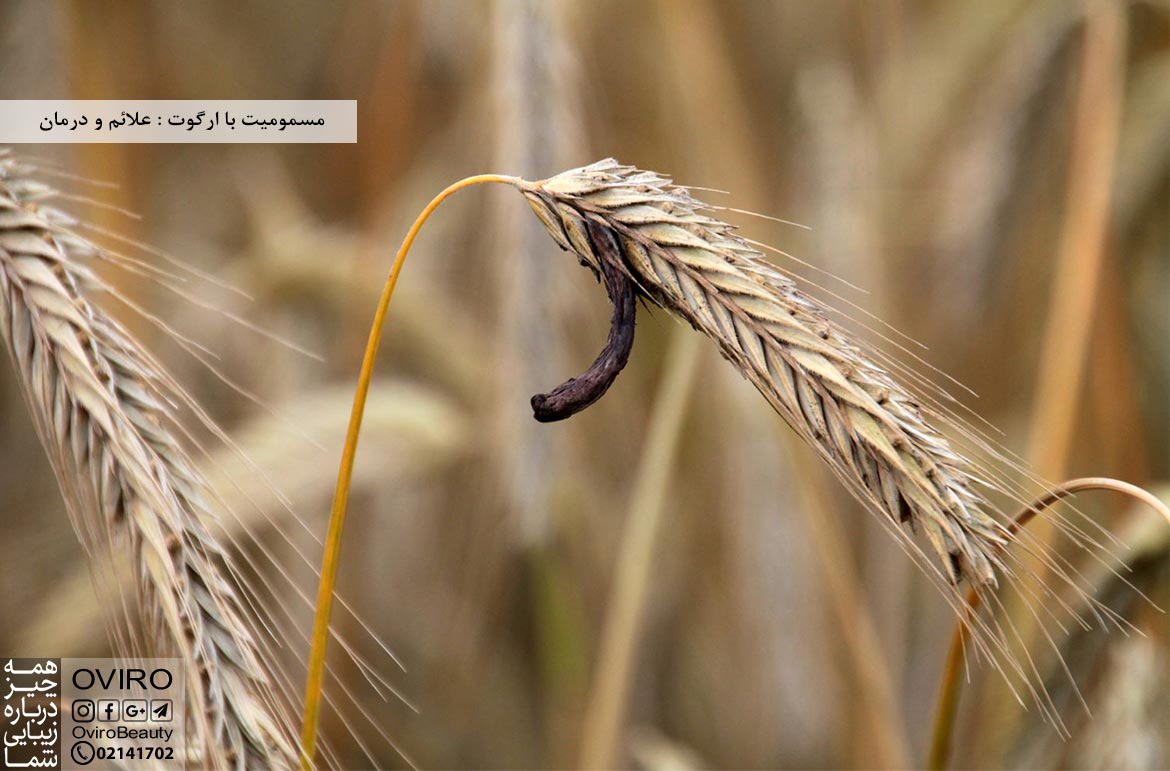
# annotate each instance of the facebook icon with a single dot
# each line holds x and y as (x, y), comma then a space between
(109, 710)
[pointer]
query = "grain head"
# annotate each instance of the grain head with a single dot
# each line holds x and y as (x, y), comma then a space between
(104, 410)
(870, 431)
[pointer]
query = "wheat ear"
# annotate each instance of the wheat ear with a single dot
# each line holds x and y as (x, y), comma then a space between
(647, 237)
(102, 409)
(868, 429)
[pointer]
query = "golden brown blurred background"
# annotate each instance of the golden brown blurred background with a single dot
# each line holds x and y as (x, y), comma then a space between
(995, 174)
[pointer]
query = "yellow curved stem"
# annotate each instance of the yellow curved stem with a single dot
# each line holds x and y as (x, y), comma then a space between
(316, 676)
(950, 687)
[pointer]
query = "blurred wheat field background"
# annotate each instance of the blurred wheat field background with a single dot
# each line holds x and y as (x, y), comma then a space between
(995, 175)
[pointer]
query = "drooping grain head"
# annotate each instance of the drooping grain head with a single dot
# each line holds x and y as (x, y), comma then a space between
(869, 430)
(103, 408)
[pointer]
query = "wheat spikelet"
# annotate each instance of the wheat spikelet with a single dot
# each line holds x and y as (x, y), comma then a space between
(103, 409)
(869, 430)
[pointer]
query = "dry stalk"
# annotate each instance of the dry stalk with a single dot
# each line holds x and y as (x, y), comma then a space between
(1081, 260)
(951, 685)
(104, 410)
(633, 573)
